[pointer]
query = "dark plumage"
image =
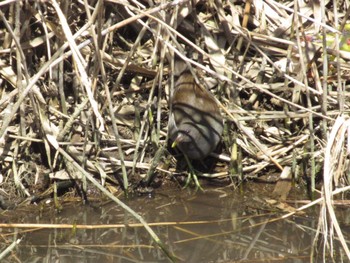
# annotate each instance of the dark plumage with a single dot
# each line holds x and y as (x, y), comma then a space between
(195, 124)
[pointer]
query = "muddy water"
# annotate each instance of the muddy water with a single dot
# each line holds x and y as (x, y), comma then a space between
(220, 225)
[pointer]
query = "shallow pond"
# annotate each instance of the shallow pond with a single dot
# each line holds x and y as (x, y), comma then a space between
(219, 225)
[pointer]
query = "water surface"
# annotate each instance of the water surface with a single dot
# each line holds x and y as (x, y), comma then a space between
(219, 225)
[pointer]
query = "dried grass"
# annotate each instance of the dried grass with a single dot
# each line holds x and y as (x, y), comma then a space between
(86, 78)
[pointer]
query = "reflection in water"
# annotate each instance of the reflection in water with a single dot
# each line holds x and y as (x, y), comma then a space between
(215, 226)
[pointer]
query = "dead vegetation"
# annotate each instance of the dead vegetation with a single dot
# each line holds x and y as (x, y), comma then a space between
(85, 86)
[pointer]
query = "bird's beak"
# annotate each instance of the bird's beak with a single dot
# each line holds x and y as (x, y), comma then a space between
(178, 139)
(173, 145)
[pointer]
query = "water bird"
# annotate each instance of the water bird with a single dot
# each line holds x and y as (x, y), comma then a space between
(195, 123)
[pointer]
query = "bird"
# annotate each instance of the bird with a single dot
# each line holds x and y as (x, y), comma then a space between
(195, 123)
